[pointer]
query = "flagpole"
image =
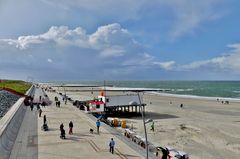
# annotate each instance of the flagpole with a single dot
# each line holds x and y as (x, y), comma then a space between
(104, 88)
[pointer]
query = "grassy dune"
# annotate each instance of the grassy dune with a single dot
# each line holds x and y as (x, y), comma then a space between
(17, 85)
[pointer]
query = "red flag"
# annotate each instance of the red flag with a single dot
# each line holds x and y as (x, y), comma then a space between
(102, 93)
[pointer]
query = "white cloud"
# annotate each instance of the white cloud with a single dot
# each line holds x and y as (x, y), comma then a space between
(169, 65)
(186, 15)
(189, 15)
(228, 62)
(113, 51)
(49, 60)
(107, 39)
(110, 51)
(110, 47)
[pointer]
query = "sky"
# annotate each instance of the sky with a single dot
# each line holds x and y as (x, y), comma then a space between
(120, 40)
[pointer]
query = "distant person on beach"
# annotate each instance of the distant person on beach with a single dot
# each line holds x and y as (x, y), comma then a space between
(98, 125)
(181, 105)
(111, 145)
(152, 126)
(40, 112)
(40, 98)
(70, 127)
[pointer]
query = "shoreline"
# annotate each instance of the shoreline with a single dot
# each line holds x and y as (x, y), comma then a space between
(193, 96)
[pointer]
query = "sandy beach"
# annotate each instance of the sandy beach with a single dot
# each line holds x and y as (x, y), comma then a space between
(204, 128)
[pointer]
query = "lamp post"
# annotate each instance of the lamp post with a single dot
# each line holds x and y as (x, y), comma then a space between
(64, 89)
(144, 124)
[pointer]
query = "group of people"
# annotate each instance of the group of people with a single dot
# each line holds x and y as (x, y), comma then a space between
(70, 132)
(58, 103)
(62, 131)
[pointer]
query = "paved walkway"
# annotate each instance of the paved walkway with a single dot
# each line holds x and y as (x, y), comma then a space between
(80, 145)
(26, 146)
(34, 143)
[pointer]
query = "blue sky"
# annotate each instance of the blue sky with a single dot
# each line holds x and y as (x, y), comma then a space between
(120, 40)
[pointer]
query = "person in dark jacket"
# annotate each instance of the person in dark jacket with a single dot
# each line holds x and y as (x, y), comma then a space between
(70, 127)
(62, 131)
(44, 119)
(40, 112)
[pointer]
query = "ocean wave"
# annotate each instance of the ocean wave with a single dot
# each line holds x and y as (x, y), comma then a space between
(236, 91)
(192, 96)
(182, 90)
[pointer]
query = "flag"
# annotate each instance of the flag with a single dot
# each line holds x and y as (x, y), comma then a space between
(102, 93)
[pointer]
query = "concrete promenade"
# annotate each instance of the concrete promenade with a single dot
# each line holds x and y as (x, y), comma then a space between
(32, 142)
(26, 146)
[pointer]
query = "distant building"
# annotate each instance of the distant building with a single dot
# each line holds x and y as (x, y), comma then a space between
(124, 103)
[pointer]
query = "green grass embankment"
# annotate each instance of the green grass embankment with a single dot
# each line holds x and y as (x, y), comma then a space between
(16, 85)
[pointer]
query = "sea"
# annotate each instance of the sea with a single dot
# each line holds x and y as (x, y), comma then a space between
(224, 89)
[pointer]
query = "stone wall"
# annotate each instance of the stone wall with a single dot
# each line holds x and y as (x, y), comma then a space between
(10, 124)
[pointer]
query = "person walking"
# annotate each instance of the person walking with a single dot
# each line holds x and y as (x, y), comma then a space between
(31, 106)
(70, 127)
(40, 112)
(152, 126)
(62, 132)
(66, 100)
(98, 125)
(59, 103)
(111, 145)
(61, 127)
(38, 106)
(44, 119)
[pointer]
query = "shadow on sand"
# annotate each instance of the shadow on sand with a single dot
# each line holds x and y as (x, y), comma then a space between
(152, 115)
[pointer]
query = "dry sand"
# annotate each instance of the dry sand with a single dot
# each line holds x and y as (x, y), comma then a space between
(205, 129)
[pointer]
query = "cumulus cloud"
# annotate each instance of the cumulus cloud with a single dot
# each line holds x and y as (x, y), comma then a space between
(186, 15)
(110, 47)
(109, 52)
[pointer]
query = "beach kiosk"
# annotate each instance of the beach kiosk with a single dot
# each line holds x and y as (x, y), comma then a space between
(122, 103)
(116, 103)
(96, 106)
